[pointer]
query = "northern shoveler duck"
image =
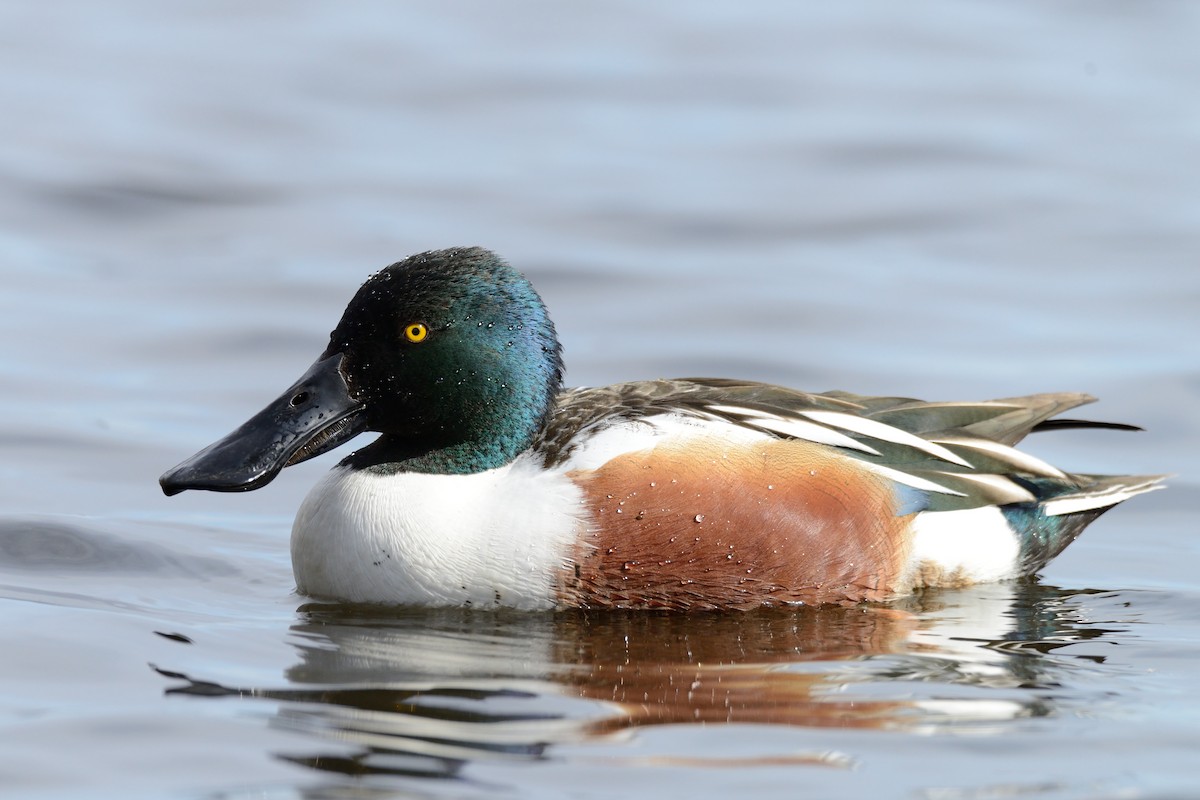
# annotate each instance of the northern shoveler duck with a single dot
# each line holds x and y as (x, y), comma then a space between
(492, 486)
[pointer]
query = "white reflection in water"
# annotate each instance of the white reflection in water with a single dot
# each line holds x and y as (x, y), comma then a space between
(426, 692)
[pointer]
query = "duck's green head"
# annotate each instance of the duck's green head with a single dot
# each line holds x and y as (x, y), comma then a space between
(450, 354)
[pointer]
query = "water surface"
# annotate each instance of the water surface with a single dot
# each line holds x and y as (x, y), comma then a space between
(946, 202)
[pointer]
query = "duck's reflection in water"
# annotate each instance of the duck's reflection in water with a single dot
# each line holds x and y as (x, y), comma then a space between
(422, 692)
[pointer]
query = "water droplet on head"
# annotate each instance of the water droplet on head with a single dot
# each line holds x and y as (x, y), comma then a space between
(699, 518)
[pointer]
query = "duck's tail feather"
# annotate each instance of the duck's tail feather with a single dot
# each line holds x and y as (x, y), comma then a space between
(1045, 527)
(1064, 424)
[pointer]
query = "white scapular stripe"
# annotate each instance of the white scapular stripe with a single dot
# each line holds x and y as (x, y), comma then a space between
(796, 428)
(1003, 490)
(740, 411)
(630, 436)
(887, 433)
(1018, 458)
(909, 480)
(799, 429)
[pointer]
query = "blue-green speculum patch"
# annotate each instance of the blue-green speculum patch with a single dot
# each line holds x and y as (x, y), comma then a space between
(467, 393)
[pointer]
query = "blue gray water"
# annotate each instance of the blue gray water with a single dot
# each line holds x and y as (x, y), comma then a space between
(946, 201)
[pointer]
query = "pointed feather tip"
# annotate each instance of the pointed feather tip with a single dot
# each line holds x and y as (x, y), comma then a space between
(1066, 424)
(1107, 491)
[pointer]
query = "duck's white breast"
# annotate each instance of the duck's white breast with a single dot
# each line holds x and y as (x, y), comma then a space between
(495, 538)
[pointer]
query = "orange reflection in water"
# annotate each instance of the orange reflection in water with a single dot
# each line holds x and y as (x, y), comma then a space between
(424, 692)
(761, 667)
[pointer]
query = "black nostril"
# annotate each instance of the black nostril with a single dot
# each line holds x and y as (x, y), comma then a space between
(299, 399)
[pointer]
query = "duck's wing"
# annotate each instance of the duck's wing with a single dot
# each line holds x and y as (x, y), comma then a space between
(581, 412)
(959, 454)
(1005, 421)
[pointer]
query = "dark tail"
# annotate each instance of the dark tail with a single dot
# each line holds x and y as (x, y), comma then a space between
(1060, 514)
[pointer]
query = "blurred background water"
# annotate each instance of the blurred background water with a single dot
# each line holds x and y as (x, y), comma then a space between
(947, 201)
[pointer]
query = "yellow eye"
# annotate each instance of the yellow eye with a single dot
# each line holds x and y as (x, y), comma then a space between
(416, 332)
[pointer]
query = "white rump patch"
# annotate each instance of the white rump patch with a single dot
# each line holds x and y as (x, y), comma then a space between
(974, 545)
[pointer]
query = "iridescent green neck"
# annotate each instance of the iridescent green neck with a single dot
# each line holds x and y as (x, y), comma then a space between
(391, 454)
(475, 389)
